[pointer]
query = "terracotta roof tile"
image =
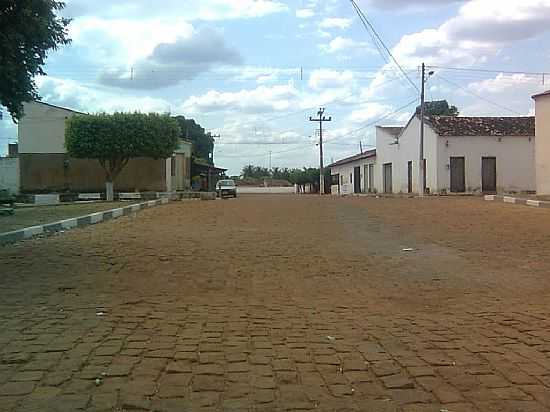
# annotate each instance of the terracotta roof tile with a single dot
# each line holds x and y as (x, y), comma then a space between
(482, 126)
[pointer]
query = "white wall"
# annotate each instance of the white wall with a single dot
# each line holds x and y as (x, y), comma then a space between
(346, 172)
(542, 114)
(407, 149)
(9, 174)
(42, 129)
(515, 156)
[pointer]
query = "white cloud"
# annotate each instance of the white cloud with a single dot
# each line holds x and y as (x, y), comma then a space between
(417, 4)
(480, 30)
(304, 13)
(335, 23)
(188, 9)
(369, 111)
(74, 95)
(504, 82)
(258, 100)
(328, 79)
(170, 63)
(124, 40)
(340, 44)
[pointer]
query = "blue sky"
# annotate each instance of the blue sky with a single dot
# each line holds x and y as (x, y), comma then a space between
(253, 71)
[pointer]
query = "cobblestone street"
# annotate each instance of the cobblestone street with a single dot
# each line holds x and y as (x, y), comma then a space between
(280, 302)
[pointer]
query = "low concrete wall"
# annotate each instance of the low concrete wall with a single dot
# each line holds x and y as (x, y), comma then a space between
(264, 190)
(55, 172)
(9, 174)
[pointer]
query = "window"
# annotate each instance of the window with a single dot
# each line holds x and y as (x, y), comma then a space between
(335, 179)
(173, 165)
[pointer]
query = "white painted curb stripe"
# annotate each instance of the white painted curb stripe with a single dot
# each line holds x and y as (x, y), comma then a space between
(29, 232)
(535, 203)
(490, 197)
(508, 199)
(69, 223)
(32, 231)
(96, 218)
(117, 213)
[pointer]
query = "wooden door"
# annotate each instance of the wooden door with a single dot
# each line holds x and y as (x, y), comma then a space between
(458, 175)
(388, 187)
(409, 176)
(489, 174)
(371, 178)
(357, 179)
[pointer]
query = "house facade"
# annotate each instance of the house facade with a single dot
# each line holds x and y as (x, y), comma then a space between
(355, 174)
(542, 157)
(461, 155)
(46, 167)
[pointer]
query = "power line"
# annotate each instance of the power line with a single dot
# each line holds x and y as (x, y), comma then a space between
(372, 31)
(478, 96)
(471, 69)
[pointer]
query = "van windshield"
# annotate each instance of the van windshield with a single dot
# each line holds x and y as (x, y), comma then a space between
(226, 183)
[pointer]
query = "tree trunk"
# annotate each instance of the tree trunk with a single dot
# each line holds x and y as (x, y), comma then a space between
(109, 191)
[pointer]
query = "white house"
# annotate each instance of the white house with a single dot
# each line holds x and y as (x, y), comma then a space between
(353, 174)
(462, 154)
(542, 114)
(45, 166)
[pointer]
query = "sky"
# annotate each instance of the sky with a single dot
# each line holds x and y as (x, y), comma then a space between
(254, 71)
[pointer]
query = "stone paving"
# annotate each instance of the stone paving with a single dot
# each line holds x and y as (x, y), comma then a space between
(275, 303)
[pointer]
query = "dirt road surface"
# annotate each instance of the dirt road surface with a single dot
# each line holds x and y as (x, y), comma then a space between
(278, 303)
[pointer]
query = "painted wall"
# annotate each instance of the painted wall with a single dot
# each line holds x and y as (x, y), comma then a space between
(515, 156)
(542, 147)
(42, 129)
(56, 172)
(400, 151)
(9, 174)
(346, 172)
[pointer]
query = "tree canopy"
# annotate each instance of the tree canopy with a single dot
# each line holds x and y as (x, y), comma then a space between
(203, 143)
(438, 108)
(113, 139)
(29, 30)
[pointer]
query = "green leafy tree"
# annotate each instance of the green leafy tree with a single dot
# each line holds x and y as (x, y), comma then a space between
(438, 108)
(114, 139)
(29, 29)
(203, 143)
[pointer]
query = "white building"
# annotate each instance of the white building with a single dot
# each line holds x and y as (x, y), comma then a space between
(353, 174)
(542, 114)
(462, 154)
(45, 166)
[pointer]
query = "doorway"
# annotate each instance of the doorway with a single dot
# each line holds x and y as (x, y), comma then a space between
(388, 187)
(409, 176)
(371, 178)
(357, 179)
(489, 174)
(458, 175)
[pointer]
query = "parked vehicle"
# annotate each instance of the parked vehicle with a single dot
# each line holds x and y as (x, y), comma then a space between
(226, 187)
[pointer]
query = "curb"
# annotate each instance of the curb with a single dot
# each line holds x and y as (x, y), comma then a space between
(68, 224)
(517, 201)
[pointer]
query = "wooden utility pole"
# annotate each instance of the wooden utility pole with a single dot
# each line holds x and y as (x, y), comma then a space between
(321, 119)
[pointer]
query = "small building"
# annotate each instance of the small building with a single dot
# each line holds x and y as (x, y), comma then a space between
(542, 145)
(353, 174)
(462, 154)
(46, 167)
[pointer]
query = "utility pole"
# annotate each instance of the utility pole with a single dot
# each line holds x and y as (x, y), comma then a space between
(421, 165)
(321, 119)
(361, 146)
(210, 185)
